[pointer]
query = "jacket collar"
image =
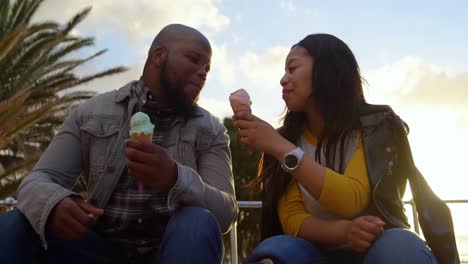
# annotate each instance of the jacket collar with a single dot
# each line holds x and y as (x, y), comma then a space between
(373, 115)
(124, 92)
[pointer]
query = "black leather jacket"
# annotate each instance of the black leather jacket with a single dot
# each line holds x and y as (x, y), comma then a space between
(390, 165)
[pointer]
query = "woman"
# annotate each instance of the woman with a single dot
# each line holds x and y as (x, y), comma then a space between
(334, 174)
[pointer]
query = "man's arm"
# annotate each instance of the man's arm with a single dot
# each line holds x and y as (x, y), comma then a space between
(52, 177)
(212, 186)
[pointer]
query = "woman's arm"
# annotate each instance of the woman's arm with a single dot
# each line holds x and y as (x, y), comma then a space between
(359, 234)
(345, 195)
(297, 221)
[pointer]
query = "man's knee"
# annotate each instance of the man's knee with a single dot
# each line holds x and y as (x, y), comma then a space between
(14, 226)
(196, 221)
(18, 241)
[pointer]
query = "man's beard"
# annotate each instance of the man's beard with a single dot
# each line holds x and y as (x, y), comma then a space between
(180, 103)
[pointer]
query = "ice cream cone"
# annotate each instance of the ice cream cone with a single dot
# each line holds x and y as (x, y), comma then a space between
(241, 108)
(240, 102)
(142, 137)
(141, 130)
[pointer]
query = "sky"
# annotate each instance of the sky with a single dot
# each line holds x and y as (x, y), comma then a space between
(411, 53)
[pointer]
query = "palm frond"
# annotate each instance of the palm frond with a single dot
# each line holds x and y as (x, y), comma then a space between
(101, 74)
(42, 27)
(10, 40)
(4, 16)
(31, 9)
(80, 62)
(15, 13)
(76, 20)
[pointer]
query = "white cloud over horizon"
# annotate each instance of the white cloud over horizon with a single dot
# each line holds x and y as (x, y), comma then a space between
(412, 81)
(224, 66)
(288, 5)
(264, 70)
(140, 20)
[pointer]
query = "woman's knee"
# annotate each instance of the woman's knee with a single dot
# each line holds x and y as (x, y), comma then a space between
(399, 246)
(285, 249)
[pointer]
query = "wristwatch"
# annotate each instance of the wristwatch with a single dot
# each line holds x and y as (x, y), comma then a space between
(292, 159)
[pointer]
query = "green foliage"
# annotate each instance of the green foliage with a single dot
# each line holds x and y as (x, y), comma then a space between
(37, 73)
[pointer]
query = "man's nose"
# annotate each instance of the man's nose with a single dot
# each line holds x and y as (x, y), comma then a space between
(202, 72)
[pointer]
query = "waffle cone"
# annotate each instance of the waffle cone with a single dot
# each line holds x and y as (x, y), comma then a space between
(240, 108)
(142, 137)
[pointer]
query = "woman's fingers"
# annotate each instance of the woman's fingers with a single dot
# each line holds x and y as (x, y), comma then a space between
(242, 124)
(370, 224)
(365, 236)
(244, 116)
(360, 246)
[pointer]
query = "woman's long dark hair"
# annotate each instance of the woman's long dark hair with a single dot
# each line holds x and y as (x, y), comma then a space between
(336, 94)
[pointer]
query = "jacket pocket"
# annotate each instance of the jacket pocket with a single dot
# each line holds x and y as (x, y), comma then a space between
(100, 136)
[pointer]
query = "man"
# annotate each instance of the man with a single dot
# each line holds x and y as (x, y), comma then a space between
(188, 197)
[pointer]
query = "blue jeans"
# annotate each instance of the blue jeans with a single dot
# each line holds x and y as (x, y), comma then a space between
(392, 246)
(191, 236)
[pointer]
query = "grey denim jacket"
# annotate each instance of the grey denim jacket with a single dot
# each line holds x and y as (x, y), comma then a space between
(91, 143)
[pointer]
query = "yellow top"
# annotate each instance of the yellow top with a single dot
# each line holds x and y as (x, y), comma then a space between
(344, 195)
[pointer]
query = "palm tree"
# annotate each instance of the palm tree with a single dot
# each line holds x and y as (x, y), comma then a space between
(36, 77)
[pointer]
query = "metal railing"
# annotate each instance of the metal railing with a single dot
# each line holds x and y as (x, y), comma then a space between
(258, 204)
(8, 202)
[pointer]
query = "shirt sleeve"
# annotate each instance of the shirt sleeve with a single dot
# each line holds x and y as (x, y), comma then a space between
(347, 195)
(291, 210)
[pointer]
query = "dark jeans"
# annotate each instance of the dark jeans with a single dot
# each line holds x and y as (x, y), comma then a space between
(393, 246)
(191, 236)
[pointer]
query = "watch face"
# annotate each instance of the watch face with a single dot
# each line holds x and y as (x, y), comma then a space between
(290, 161)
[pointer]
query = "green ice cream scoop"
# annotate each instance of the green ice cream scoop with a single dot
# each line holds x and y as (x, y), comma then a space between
(140, 124)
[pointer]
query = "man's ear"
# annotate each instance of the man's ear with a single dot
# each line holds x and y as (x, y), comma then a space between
(158, 56)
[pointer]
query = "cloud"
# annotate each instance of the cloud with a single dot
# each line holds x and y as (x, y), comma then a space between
(138, 20)
(265, 70)
(218, 107)
(288, 5)
(462, 123)
(439, 89)
(312, 12)
(223, 65)
(414, 81)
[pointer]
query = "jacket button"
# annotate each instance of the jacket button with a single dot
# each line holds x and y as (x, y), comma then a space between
(389, 172)
(388, 149)
(390, 163)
